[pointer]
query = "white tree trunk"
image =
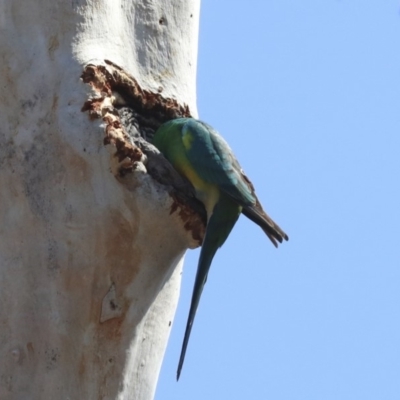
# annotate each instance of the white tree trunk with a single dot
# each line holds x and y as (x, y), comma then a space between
(89, 264)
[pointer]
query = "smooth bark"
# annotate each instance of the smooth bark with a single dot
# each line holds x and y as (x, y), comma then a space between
(89, 267)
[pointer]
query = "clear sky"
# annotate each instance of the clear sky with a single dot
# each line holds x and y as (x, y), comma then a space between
(307, 93)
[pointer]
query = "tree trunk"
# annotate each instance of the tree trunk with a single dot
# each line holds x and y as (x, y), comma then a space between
(90, 258)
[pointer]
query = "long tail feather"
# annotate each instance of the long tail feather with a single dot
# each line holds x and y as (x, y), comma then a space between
(224, 216)
(206, 257)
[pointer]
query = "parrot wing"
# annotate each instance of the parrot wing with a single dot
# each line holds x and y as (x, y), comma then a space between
(214, 161)
(257, 214)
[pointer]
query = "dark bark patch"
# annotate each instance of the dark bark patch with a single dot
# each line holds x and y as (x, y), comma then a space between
(131, 115)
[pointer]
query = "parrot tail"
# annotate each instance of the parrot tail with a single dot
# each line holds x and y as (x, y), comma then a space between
(206, 257)
(272, 230)
(224, 216)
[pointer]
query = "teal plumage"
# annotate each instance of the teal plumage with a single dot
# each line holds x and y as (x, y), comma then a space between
(199, 153)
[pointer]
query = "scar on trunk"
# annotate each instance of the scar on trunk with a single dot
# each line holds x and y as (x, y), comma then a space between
(131, 115)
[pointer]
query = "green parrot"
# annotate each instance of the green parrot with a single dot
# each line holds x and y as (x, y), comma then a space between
(200, 154)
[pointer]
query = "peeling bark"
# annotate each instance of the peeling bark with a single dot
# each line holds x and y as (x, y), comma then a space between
(94, 222)
(131, 115)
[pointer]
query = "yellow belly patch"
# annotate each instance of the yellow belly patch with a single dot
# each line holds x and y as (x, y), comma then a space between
(206, 192)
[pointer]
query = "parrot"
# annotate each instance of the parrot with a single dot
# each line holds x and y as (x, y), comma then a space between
(199, 153)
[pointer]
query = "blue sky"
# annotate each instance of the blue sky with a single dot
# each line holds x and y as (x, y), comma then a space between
(307, 93)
